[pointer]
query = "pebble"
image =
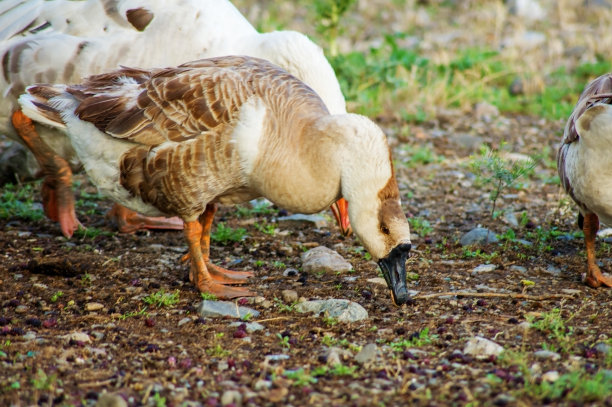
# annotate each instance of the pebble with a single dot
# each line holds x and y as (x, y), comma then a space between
(300, 219)
(482, 348)
(21, 309)
(367, 354)
(571, 291)
(277, 357)
(484, 268)
(231, 397)
(377, 280)
(546, 354)
(551, 376)
(110, 400)
(518, 268)
(184, 321)
(29, 336)
(341, 310)
(554, 270)
(527, 9)
(93, 306)
(510, 218)
(262, 385)
(478, 236)
(289, 296)
(324, 259)
(212, 309)
(250, 326)
(602, 348)
(39, 286)
(290, 272)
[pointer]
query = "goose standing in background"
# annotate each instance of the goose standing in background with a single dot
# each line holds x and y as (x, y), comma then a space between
(584, 162)
(66, 40)
(177, 141)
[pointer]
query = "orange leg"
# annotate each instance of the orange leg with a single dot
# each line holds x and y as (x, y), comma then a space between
(340, 211)
(594, 277)
(128, 221)
(219, 274)
(199, 274)
(58, 199)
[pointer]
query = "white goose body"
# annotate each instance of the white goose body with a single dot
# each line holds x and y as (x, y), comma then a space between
(64, 41)
(584, 162)
(173, 141)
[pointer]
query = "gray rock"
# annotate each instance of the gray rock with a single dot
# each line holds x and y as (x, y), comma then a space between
(482, 348)
(378, 281)
(546, 354)
(510, 218)
(597, 4)
(554, 270)
(518, 268)
(602, 348)
(16, 164)
(184, 321)
(300, 219)
(29, 336)
(214, 309)
(262, 385)
(277, 357)
(478, 236)
(110, 400)
(341, 310)
(323, 259)
(250, 326)
(21, 309)
(551, 376)
(289, 296)
(290, 272)
(367, 354)
(484, 268)
(527, 9)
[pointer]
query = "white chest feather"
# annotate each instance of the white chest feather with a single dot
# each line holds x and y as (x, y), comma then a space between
(248, 132)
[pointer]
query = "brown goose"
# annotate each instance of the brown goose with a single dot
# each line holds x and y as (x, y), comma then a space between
(584, 166)
(65, 40)
(177, 141)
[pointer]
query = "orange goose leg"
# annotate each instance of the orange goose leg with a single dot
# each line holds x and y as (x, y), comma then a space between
(340, 211)
(128, 221)
(199, 273)
(594, 276)
(58, 199)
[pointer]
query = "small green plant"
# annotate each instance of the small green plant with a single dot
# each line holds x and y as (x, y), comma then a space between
(225, 234)
(43, 382)
(91, 232)
(420, 226)
(56, 296)
(86, 279)
(329, 340)
(131, 314)
(257, 208)
(162, 299)
(217, 350)
(330, 321)
(300, 377)
(246, 317)
(283, 340)
(478, 254)
(499, 173)
(328, 15)
(279, 264)
(420, 155)
(208, 296)
(268, 228)
(422, 338)
(553, 324)
(17, 201)
(159, 400)
(282, 307)
(343, 370)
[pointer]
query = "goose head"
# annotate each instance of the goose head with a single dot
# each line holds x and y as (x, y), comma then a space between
(368, 184)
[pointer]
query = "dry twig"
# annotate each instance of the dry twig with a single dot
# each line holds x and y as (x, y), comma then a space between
(502, 295)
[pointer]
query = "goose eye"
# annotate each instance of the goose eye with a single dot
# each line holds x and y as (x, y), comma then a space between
(384, 229)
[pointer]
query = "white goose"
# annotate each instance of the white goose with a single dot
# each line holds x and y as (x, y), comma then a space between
(585, 167)
(65, 40)
(177, 141)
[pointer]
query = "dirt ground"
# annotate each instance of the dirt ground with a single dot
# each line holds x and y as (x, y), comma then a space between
(52, 288)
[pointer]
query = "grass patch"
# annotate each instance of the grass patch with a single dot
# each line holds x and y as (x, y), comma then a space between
(162, 299)
(225, 234)
(17, 201)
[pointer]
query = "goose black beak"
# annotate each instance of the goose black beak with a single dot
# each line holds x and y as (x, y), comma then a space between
(394, 270)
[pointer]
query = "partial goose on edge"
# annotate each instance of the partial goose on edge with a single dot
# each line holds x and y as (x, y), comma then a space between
(66, 40)
(584, 162)
(177, 141)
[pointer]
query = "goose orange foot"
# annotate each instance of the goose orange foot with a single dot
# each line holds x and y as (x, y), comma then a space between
(206, 276)
(594, 277)
(58, 199)
(128, 221)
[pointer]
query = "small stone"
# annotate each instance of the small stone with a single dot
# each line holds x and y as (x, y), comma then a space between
(324, 259)
(602, 348)
(526, 9)
(208, 308)
(367, 354)
(571, 291)
(377, 280)
(21, 309)
(184, 321)
(484, 268)
(485, 111)
(517, 268)
(289, 296)
(341, 310)
(546, 354)
(110, 400)
(29, 336)
(39, 286)
(478, 236)
(78, 337)
(250, 327)
(551, 376)
(231, 397)
(554, 270)
(262, 385)
(93, 306)
(510, 218)
(482, 348)
(278, 357)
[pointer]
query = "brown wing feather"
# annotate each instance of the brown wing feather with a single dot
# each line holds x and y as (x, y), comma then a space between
(597, 91)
